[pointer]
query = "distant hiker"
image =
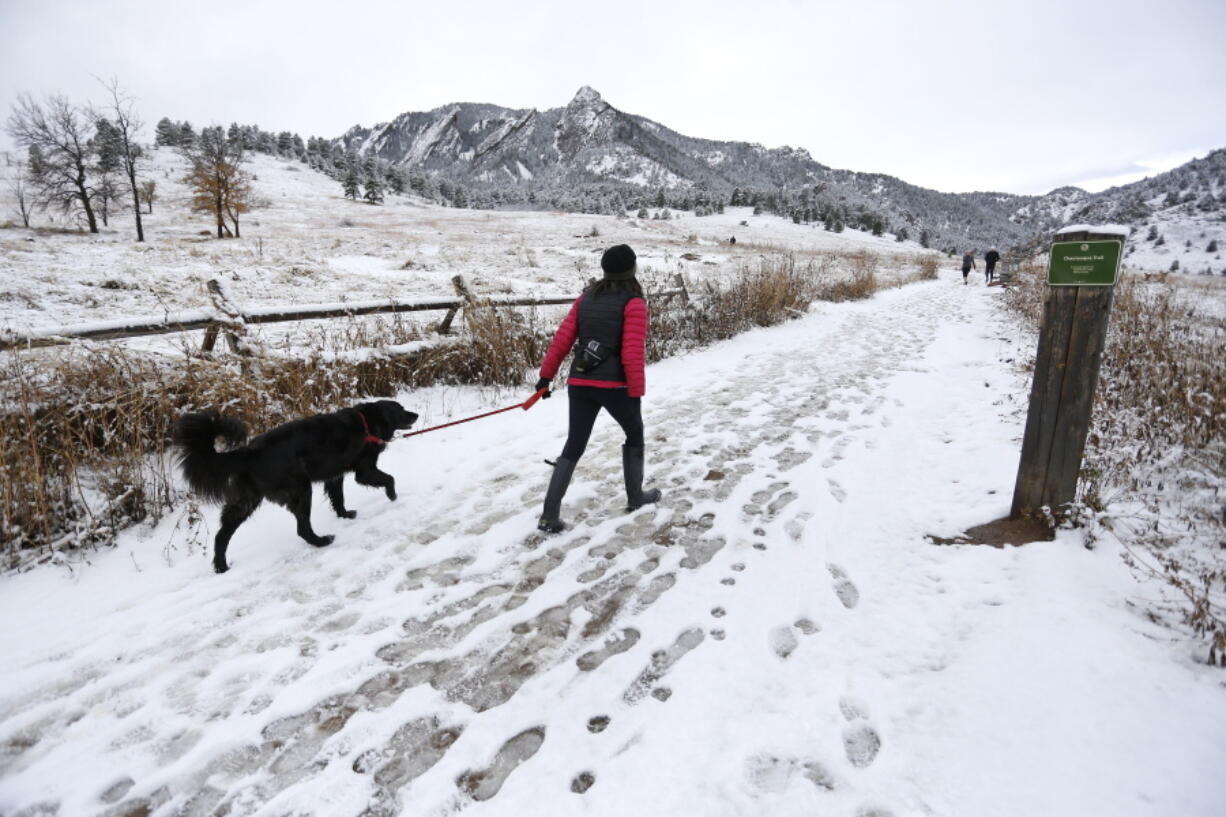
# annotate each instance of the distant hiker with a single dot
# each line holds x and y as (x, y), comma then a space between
(968, 261)
(607, 327)
(989, 265)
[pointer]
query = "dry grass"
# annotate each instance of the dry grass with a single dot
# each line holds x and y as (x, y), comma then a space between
(1155, 460)
(83, 445)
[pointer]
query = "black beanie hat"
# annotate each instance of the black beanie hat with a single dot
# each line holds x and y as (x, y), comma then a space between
(619, 263)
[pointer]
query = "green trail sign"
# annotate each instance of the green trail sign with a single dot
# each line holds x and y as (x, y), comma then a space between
(1084, 263)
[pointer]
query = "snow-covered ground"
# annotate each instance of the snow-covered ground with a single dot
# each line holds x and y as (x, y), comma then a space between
(1185, 238)
(776, 637)
(305, 243)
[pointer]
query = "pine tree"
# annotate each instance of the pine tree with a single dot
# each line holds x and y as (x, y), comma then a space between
(166, 133)
(1212, 246)
(374, 190)
(351, 182)
(395, 180)
(902, 234)
(1153, 233)
(105, 147)
(924, 239)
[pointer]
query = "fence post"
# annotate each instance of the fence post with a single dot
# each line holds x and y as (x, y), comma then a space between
(461, 289)
(1082, 271)
(235, 325)
(679, 280)
(210, 339)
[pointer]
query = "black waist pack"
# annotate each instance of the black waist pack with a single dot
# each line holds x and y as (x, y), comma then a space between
(590, 355)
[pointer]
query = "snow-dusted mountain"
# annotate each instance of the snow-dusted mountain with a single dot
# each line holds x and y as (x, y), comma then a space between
(587, 141)
(589, 145)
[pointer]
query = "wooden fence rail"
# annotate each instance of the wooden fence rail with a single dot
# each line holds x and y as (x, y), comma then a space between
(229, 318)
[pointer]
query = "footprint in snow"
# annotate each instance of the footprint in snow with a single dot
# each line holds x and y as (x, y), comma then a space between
(794, 528)
(484, 783)
(860, 740)
(806, 626)
(661, 662)
(614, 645)
(783, 642)
(847, 592)
(772, 774)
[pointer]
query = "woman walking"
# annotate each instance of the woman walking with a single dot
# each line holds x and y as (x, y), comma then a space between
(607, 326)
(968, 261)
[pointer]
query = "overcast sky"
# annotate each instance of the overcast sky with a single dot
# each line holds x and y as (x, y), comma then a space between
(1019, 96)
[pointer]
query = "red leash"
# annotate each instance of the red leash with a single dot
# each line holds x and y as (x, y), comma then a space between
(527, 404)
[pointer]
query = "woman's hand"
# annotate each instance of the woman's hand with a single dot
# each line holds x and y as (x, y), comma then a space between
(543, 383)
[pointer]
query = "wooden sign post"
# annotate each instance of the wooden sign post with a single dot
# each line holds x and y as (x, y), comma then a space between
(1082, 271)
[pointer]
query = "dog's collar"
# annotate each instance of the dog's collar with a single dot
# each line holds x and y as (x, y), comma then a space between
(370, 438)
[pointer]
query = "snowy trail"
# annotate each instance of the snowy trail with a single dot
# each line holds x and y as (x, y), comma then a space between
(775, 637)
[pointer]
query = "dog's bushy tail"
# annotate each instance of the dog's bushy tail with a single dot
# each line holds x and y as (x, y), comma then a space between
(206, 469)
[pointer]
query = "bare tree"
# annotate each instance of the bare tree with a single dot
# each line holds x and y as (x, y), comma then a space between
(239, 199)
(18, 183)
(56, 134)
(125, 125)
(148, 193)
(218, 183)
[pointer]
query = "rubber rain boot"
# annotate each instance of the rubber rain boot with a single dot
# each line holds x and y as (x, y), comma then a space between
(632, 467)
(551, 521)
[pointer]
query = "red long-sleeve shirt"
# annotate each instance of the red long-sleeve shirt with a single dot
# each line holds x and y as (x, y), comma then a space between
(633, 351)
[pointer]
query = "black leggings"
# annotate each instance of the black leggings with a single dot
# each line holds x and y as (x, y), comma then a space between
(586, 402)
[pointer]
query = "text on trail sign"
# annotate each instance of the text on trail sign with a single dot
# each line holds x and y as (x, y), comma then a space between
(1084, 263)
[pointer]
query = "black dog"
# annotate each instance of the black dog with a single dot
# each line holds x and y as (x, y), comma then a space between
(280, 465)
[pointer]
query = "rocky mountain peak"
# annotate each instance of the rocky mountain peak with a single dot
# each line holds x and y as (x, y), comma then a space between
(587, 121)
(587, 95)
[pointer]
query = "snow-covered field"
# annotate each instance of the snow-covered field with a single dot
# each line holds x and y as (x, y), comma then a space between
(776, 637)
(306, 243)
